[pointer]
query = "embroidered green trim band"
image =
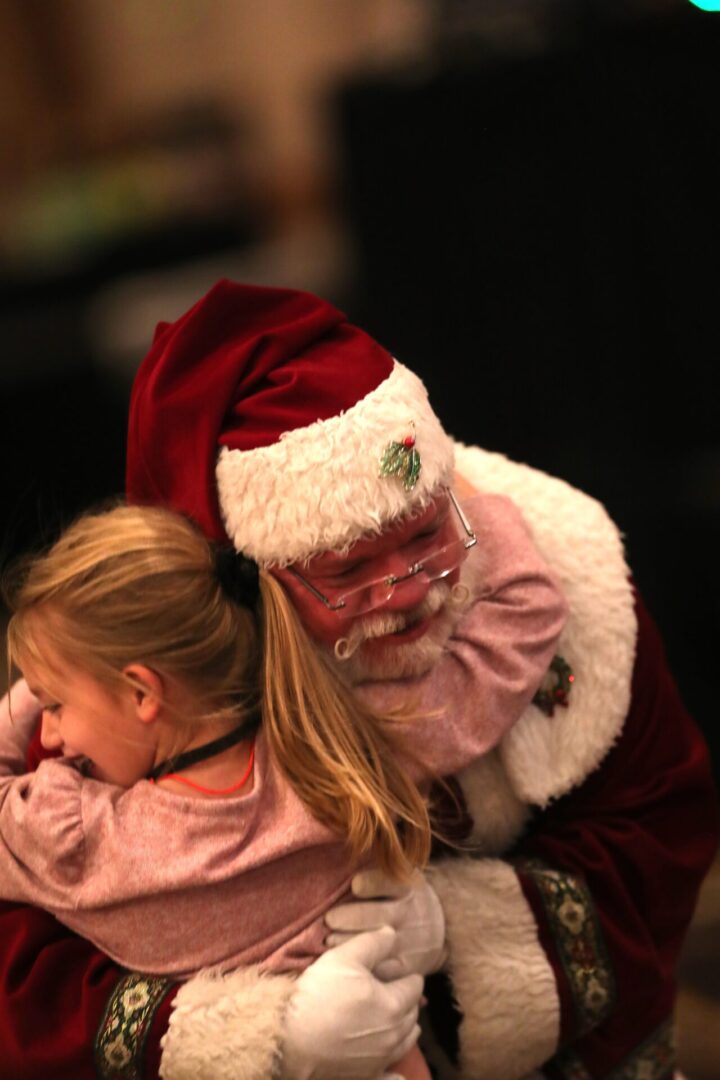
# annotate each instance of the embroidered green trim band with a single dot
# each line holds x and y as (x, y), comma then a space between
(653, 1059)
(121, 1037)
(575, 929)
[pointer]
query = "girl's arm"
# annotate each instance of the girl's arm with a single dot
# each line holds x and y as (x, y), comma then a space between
(41, 833)
(16, 731)
(497, 654)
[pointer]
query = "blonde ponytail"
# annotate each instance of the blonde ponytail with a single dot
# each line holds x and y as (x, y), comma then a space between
(337, 755)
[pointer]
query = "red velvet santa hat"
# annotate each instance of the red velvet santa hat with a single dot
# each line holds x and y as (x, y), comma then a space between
(271, 420)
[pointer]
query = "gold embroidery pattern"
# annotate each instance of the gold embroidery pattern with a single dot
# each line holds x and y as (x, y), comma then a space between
(121, 1036)
(578, 937)
(653, 1059)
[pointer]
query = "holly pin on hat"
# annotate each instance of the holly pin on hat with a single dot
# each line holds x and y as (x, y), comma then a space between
(272, 421)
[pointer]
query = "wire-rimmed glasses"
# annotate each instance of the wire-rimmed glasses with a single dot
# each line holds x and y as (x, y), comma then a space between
(359, 599)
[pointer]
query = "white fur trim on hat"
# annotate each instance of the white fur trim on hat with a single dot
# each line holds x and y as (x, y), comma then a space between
(226, 1027)
(501, 976)
(319, 487)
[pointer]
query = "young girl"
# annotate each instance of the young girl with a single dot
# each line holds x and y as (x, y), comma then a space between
(218, 784)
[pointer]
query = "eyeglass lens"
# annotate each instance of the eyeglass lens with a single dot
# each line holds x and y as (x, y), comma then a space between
(372, 594)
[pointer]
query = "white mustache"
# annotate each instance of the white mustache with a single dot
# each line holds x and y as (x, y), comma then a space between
(391, 622)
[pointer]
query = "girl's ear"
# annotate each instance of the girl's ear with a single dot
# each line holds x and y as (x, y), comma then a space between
(147, 692)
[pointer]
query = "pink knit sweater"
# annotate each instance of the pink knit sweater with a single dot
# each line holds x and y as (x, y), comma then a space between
(168, 883)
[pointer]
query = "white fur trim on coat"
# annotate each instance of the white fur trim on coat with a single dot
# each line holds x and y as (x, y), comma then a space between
(226, 1027)
(499, 817)
(503, 981)
(319, 488)
(544, 757)
(500, 974)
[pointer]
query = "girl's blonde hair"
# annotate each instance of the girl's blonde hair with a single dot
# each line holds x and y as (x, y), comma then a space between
(139, 585)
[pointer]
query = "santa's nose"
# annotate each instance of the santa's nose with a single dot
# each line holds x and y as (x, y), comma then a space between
(407, 587)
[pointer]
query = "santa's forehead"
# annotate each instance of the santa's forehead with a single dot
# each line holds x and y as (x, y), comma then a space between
(394, 535)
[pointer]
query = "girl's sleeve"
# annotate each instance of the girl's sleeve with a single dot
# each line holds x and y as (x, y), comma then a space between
(54, 987)
(68, 1011)
(41, 835)
(17, 730)
(42, 842)
(497, 656)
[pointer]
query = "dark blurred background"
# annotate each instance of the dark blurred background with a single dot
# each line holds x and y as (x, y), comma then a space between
(519, 198)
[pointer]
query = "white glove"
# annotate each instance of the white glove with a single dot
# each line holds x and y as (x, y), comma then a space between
(413, 910)
(341, 1022)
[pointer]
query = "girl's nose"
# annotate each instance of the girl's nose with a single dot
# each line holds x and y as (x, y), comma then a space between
(49, 734)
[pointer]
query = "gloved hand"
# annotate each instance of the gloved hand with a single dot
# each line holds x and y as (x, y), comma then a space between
(341, 1022)
(413, 910)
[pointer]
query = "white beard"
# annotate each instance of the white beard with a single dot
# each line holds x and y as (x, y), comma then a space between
(397, 660)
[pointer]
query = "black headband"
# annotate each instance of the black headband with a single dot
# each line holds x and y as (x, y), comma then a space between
(238, 576)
